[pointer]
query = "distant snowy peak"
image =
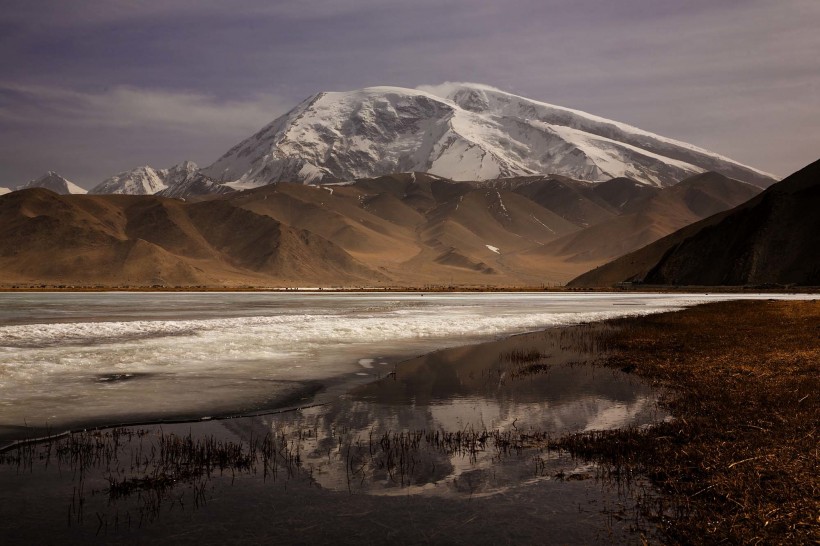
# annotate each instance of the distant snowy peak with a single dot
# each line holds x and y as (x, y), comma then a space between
(180, 181)
(54, 182)
(4, 191)
(461, 132)
(143, 180)
(194, 184)
(179, 173)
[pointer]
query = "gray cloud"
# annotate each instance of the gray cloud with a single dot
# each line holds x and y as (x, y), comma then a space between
(157, 82)
(130, 107)
(90, 136)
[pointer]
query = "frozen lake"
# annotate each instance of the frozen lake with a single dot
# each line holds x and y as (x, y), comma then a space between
(76, 359)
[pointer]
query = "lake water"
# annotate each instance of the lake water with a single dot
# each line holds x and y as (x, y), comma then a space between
(449, 446)
(80, 359)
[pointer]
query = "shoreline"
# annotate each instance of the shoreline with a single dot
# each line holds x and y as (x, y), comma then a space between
(739, 461)
(718, 470)
(638, 288)
(238, 406)
(286, 406)
(369, 459)
(312, 388)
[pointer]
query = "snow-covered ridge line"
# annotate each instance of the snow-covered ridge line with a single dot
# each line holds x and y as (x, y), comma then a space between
(460, 132)
(180, 181)
(445, 89)
(146, 180)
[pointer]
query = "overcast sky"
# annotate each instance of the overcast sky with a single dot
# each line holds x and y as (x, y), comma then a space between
(89, 88)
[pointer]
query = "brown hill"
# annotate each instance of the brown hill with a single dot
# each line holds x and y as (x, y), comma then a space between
(582, 203)
(623, 194)
(645, 218)
(573, 200)
(110, 240)
(772, 238)
(417, 229)
(409, 229)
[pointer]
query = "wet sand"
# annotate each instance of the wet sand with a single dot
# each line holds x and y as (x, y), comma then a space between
(488, 443)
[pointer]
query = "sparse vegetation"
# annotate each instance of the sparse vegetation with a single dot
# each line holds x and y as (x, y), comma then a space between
(740, 461)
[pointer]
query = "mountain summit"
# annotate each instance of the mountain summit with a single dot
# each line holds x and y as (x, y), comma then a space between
(182, 181)
(462, 132)
(146, 180)
(54, 182)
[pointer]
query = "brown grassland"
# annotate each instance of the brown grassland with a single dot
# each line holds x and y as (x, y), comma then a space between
(739, 461)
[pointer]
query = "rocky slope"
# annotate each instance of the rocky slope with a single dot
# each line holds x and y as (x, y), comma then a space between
(136, 241)
(409, 229)
(772, 238)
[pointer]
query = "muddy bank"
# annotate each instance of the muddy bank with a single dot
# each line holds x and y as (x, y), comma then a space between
(739, 463)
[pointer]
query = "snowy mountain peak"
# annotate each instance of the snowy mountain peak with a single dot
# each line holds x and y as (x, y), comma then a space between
(183, 180)
(54, 182)
(144, 180)
(473, 99)
(458, 131)
(147, 180)
(186, 166)
(178, 173)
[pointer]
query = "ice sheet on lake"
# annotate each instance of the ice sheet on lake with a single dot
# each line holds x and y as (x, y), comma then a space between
(181, 351)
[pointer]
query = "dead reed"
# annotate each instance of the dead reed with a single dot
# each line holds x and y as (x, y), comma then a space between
(739, 462)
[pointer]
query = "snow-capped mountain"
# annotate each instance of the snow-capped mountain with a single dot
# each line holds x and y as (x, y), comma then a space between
(194, 184)
(143, 180)
(179, 173)
(182, 180)
(4, 191)
(54, 182)
(462, 132)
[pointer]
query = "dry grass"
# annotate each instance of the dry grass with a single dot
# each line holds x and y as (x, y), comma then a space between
(739, 463)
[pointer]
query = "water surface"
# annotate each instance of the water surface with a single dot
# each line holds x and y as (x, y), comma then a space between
(77, 359)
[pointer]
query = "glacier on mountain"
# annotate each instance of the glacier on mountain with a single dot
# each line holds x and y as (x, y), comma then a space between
(461, 132)
(458, 131)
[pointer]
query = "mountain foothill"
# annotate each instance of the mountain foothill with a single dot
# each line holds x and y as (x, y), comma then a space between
(409, 229)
